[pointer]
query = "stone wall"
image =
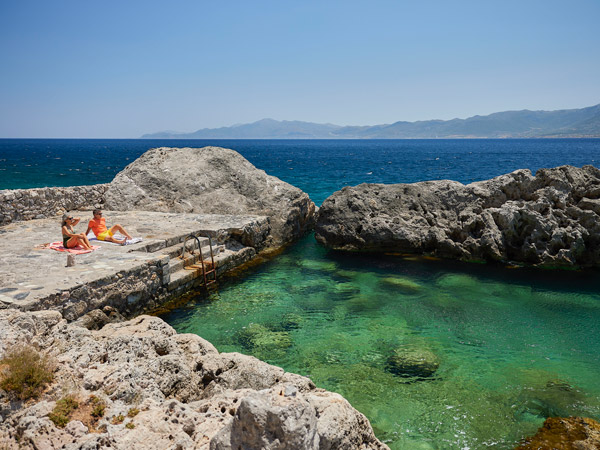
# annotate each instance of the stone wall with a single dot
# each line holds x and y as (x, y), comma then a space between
(40, 203)
(130, 292)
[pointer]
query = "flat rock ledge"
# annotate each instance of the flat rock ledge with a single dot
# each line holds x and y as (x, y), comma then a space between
(551, 219)
(164, 390)
(211, 180)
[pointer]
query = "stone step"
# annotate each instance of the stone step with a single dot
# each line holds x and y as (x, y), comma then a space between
(176, 263)
(175, 249)
(171, 246)
(183, 276)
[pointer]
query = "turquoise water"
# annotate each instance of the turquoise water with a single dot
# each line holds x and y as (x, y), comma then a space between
(513, 345)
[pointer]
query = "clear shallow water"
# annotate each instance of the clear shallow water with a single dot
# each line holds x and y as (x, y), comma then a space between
(514, 346)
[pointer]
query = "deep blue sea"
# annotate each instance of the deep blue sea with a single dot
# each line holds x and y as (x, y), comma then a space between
(318, 167)
(514, 346)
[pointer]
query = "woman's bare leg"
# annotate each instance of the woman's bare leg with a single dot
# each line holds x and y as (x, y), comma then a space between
(85, 242)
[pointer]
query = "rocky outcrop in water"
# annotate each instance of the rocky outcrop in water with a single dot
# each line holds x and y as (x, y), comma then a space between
(140, 385)
(572, 433)
(211, 180)
(550, 219)
(411, 362)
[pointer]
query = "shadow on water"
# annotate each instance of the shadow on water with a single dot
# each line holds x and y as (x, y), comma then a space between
(437, 354)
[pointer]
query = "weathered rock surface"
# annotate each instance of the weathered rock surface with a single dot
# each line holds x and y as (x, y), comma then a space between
(185, 393)
(210, 180)
(550, 219)
(572, 433)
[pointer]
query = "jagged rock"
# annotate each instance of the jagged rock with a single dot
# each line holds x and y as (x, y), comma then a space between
(557, 433)
(550, 219)
(184, 392)
(413, 362)
(286, 418)
(210, 180)
(96, 319)
(270, 421)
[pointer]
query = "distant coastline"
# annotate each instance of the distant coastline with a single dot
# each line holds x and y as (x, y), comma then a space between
(566, 123)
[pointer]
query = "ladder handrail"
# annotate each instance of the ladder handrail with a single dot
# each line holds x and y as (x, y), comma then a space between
(204, 271)
(189, 236)
(213, 269)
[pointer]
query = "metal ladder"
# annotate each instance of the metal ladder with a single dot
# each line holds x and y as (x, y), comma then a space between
(209, 269)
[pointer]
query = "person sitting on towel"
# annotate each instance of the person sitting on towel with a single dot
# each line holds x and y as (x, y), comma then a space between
(98, 226)
(70, 238)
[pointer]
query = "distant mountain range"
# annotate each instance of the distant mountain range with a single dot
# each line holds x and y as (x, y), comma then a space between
(566, 123)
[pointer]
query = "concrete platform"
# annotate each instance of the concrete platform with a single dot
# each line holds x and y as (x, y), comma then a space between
(33, 278)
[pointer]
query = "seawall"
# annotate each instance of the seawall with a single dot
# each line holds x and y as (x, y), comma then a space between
(132, 279)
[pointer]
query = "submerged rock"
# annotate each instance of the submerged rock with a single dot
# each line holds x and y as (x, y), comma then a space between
(159, 389)
(402, 284)
(291, 321)
(550, 219)
(555, 398)
(211, 180)
(413, 362)
(557, 433)
(259, 338)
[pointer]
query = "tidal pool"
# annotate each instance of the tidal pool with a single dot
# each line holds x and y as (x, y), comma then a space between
(504, 348)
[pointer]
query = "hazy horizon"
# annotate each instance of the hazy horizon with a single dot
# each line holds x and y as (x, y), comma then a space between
(121, 70)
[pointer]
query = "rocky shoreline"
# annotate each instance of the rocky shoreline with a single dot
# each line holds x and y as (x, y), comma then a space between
(551, 219)
(183, 393)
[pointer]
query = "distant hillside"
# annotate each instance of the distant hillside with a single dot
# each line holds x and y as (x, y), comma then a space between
(566, 123)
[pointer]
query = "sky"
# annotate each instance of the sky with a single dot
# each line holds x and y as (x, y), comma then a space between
(119, 69)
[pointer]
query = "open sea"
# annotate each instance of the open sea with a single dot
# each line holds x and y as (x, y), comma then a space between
(514, 345)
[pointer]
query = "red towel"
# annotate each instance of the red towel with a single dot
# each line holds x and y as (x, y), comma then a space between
(78, 250)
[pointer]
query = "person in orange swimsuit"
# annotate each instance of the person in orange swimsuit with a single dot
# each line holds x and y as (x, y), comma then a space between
(98, 226)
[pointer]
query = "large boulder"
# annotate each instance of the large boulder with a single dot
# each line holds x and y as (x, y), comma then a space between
(211, 180)
(159, 389)
(550, 219)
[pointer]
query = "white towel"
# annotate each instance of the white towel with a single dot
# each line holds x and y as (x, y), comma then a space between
(118, 237)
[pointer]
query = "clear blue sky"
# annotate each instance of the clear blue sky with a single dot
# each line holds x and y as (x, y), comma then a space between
(121, 69)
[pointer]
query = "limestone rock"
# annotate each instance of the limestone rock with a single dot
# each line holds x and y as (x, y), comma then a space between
(285, 418)
(210, 180)
(267, 420)
(160, 389)
(96, 319)
(550, 219)
(557, 433)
